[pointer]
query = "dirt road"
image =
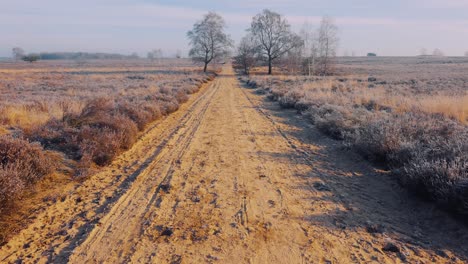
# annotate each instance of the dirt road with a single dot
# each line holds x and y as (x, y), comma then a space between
(231, 178)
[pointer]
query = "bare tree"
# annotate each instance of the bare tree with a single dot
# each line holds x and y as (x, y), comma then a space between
(208, 39)
(327, 45)
(423, 52)
(18, 53)
(150, 56)
(246, 54)
(274, 35)
(438, 53)
(293, 60)
(156, 54)
(310, 48)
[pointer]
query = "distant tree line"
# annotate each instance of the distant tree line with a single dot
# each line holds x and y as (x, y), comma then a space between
(20, 54)
(84, 55)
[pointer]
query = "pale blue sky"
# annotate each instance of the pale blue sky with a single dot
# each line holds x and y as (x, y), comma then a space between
(392, 28)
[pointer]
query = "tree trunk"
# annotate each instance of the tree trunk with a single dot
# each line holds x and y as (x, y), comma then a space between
(206, 67)
(269, 66)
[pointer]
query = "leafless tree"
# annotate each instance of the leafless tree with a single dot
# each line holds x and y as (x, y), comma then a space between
(294, 60)
(274, 36)
(18, 53)
(310, 48)
(208, 39)
(156, 54)
(150, 56)
(423, 52)
(246, 53)
(327, 46)
(438, 53)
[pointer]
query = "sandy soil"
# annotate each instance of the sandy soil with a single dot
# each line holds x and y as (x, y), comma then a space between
(231, 178)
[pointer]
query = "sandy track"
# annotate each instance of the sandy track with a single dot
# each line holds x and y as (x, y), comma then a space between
(232, 179)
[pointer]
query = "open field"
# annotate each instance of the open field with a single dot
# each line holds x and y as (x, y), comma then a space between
(33, 94)
(410, 114)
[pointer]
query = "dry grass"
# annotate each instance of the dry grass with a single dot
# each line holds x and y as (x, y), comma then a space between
(455, 107)
(357, 91)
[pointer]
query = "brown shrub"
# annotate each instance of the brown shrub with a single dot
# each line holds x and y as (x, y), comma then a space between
(290, 99)
(119, 124)
(98, 133)
(101, 144)
(441, 180)
(153, 109)
(169, 107)
(21, 164)
(27, 157)
(11, 185)
(140, 115)
(181, 96)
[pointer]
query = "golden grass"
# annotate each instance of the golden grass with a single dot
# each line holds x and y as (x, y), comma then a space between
(455, 107)
(451, 106)
(27, 116)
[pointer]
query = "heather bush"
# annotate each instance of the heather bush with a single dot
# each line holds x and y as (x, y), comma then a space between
(137, 113)
(425, 150)
(289, 99)
(21, 164)
(168, 107)
(27, 157)
(442, 180)
(100, 131)
(336, 121)
(11, 185)
(101, 144)
(153, 109)
(397, 138)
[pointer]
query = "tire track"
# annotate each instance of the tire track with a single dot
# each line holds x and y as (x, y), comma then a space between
(128, 213)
